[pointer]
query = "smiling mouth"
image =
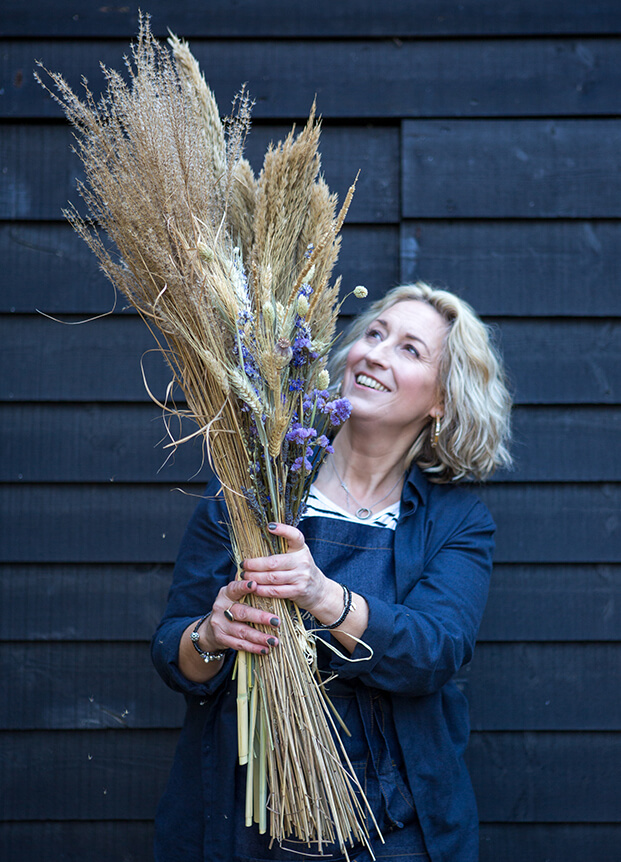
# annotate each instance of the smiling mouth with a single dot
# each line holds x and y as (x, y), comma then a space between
(363, 380)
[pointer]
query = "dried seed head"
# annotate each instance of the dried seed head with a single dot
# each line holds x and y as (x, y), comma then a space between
(268, 313)
(283, 352)
(360, 291)
(323, 379)
(205, 253)
(302, 306)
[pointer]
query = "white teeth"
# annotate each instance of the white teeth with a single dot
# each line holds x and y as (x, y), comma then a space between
(363, 380)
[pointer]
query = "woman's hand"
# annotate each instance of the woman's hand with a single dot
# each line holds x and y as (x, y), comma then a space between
(231, 624)
(294, 575)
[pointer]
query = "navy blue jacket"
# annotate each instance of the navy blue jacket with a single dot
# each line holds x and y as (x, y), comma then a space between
(443, 559)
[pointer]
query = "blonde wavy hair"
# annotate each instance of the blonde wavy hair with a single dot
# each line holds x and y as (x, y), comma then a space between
(476, 430)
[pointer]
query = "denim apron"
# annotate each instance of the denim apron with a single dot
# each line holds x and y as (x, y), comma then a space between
(362, 557)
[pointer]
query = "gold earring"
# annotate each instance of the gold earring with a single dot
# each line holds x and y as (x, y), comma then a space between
(435, 435)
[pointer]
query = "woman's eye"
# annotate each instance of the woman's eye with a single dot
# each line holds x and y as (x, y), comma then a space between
(411, 349)
(373, 333)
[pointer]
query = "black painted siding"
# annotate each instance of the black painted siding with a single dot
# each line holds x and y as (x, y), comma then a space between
(489, 142)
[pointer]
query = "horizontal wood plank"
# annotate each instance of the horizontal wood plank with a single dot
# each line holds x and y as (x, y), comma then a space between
(555, 523)
(132, 841)
(127, 443)
(553, 603)
(511, 169)
(550, 523)
(84, 686)
(82, 602)
(359, 79)
(72, 841)
(549, 361)
(119, 774)
(91, 775)
(546, 777)
(547, 268)
(260, 18)
(63, 602)
(551, 686)
(47, 266)
(39, 170)
(99, 685)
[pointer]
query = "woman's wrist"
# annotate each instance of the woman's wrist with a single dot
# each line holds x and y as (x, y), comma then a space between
(202, 643)
(333, 612)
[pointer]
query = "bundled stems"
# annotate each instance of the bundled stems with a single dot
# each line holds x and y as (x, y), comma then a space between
(231, 273)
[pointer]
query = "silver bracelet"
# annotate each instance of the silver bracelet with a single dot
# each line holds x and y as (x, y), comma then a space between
(194, 637)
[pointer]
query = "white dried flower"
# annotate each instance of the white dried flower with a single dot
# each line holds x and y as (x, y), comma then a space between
(323, 379)
(205, 253)
(302, 306)
(360, 291)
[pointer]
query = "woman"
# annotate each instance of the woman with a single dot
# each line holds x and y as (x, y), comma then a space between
(392, 555)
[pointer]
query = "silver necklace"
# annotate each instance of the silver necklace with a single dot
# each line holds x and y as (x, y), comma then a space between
(363, 513)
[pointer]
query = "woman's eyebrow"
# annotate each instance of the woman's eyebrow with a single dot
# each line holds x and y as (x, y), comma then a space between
(407, 334)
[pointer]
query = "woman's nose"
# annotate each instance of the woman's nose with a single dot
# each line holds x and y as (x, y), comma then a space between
(377, 355)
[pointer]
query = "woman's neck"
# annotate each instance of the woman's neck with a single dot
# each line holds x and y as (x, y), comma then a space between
(364, 468)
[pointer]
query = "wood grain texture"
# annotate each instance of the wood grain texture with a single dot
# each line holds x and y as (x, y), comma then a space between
(549, 268)
(537, 523)
(548, 361)
(110, 774)
(82, 603)
(548, 603)
(132, 841)
(358, 79)
(127, 443)
(85, 686)
(47, 266)
(71, 841)
(90, 775)
(554, 842)
(510, 686)
(260, 18)
(546, 777)
(120, 602)
(39, 170)
(511, 169)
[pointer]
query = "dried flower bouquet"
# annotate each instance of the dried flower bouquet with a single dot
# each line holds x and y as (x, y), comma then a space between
(232, 275)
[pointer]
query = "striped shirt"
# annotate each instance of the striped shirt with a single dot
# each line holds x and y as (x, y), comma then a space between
(319, 506)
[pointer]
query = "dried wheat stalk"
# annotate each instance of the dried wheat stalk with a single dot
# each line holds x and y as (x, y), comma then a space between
(232, 276)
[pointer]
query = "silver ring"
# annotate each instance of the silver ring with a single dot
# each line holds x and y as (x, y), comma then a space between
(229, 615)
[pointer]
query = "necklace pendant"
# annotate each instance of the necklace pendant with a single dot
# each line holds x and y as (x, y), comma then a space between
(363, 513)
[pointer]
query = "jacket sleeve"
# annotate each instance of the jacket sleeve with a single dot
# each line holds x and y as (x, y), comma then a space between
(203, 565)
(421, 644)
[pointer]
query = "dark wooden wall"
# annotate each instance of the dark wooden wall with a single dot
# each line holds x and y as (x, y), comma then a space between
(488, 134)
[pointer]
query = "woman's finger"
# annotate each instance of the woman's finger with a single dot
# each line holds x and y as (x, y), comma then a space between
(294, 537)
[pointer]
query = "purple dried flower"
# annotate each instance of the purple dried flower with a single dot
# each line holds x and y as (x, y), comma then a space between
(299, 434)
(300, 463)
(325, 444)
(338, 410)
(296, 385)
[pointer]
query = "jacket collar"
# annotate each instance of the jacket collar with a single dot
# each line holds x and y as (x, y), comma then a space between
(415, 489)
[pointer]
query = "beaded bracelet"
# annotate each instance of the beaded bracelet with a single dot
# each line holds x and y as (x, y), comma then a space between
(194, 637)
(347, 606)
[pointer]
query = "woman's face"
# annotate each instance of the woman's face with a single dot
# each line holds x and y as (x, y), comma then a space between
(392, 371)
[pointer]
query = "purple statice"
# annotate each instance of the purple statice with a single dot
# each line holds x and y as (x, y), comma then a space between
(315, 399)
(299, 434)
(302, 352)
(339, 410)
(296, 385)
(305, 290)
(325, 444)
(310, 248)
(303, 462)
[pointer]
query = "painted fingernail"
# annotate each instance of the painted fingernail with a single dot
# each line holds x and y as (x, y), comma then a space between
(271, 641)
(272, 526)
(250, 585)
(263, 652)
(275, 622)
